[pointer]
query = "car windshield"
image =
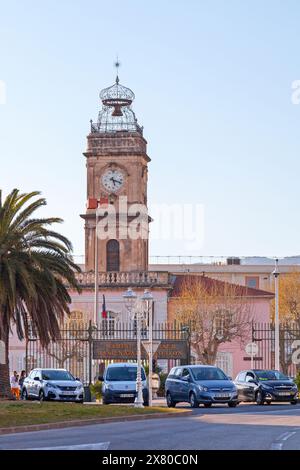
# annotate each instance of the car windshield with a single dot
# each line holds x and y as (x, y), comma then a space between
(123, 374)
(270, 375)
(56, 375)
(208, 373)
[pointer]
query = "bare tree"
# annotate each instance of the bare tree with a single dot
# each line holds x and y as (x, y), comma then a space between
(289, 312)
(218, 312)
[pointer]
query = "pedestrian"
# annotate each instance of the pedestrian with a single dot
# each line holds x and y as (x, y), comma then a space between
(21, 380)
(14, 385)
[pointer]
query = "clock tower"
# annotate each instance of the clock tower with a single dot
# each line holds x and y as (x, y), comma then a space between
(117, 166)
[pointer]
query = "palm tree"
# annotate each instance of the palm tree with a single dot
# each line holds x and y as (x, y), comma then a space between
(36, 269)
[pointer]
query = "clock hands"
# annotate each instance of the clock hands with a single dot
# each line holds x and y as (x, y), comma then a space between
(115, 181)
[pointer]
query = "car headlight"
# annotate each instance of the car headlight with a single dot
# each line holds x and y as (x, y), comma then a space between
(201, 388)
(79, 388)
(108, 386)
(51, 385)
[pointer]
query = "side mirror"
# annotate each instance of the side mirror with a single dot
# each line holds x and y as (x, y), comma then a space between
(229, 378)
(76, 378)
(186, 378)
(100, 378)
(37, 379)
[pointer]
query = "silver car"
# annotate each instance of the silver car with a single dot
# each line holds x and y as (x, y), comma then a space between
(52, 384)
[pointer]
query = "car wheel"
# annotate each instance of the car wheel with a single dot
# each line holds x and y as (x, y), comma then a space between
(104, 402)
(146, 403)
(259, 398)
(232, 404)
(268, 402)
(193, 401)
(294, 402)
(42, 396)
(170, 402)
(24, 394)
(207, 405)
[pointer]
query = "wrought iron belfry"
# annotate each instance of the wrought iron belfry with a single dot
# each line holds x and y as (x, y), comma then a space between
(116, 113)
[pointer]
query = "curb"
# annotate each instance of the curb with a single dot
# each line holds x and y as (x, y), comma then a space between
(87, 422)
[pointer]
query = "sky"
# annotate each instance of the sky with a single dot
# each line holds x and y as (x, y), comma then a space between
(213, 85)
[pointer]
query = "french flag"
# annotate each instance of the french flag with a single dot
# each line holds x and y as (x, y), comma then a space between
(104, 312)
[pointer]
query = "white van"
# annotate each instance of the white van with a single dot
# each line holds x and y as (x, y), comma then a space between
(119, 383)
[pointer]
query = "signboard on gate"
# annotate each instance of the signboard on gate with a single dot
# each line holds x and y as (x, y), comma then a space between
(251, 349)
(127, 349)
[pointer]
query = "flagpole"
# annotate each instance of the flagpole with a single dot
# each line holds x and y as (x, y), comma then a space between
(96, 271)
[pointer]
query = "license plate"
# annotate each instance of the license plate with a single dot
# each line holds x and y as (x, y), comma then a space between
(68, 393)
(127, 395)
(285, 394)
(221, 395)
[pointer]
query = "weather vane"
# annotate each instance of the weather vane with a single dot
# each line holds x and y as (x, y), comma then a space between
(117, 65)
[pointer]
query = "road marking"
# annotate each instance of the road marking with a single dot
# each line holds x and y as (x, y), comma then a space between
(287, 435)
(97, 446)
(275, 446)
(278, 444)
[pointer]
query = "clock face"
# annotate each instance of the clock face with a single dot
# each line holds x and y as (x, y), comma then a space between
(112, 180)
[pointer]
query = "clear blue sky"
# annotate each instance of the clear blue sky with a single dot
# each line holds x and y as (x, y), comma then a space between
(213, 90)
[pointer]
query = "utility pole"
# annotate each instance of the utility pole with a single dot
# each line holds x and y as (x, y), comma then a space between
(277, 342)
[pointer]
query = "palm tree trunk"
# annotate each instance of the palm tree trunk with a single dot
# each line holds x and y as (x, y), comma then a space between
(5, 391)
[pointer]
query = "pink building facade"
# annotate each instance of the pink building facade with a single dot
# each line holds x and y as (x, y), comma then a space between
(232, 357)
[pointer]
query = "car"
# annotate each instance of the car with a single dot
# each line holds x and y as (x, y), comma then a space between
(264, 386)
(119, 383)
(199, 384)
(52, 384)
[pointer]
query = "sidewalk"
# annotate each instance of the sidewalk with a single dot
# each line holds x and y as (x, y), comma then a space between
(161, 402)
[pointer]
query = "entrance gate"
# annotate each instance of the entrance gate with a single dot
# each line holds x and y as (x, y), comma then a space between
(81, 349)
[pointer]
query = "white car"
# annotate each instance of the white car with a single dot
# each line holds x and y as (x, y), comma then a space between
(52, 384)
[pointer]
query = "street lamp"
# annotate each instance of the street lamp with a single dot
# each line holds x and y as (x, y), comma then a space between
(277, 344)
(130, 298)
(148, 301)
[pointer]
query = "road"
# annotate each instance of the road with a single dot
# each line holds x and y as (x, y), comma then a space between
(247, 427)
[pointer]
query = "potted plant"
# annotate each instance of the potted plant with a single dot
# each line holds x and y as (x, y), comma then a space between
(96, 390)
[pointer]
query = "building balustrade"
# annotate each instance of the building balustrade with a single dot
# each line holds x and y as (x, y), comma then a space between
(136, 278)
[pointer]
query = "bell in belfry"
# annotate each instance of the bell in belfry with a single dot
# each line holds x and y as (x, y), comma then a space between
(117, 110)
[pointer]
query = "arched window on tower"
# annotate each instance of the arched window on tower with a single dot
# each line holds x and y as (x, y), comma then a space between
(112, 256)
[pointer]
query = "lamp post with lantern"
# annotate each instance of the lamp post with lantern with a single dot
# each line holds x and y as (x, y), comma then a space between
(137, 307)
(130, 299)
(148, 301)
(277, 340)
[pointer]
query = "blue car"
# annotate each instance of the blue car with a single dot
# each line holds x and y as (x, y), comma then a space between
(200, 384)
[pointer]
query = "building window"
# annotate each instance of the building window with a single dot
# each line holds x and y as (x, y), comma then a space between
(112, 256)
(21, 362)
(252, 281)
(223, 321)
(108, 327)
(224, 362)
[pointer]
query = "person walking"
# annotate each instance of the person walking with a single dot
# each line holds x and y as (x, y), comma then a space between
(21, 381)
(14, 385)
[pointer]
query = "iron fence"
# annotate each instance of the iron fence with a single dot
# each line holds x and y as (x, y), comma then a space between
(74, 349)
(263, 334)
